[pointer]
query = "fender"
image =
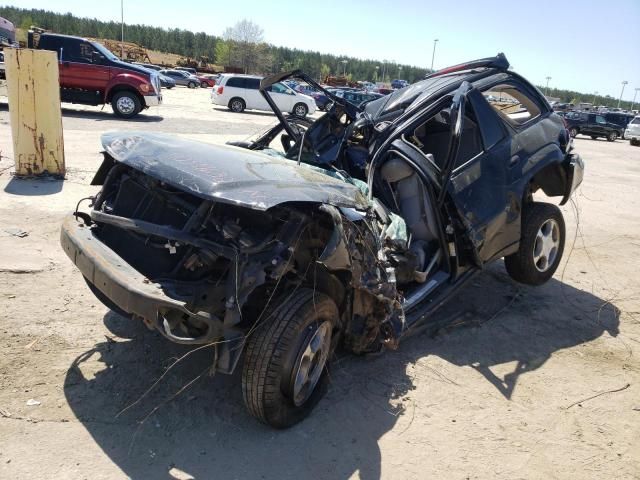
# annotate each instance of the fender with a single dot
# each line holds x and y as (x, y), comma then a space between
(133, 80)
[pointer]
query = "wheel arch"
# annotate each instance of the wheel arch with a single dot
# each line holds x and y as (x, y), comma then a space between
(124, 88)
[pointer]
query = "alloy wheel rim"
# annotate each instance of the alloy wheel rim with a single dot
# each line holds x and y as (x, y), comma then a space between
(300, 110)
(546, 245)
(125, 105)
(311, 363)
(236, 106)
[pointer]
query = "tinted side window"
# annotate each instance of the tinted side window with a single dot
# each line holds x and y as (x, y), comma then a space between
(252, 83)
(236, 82)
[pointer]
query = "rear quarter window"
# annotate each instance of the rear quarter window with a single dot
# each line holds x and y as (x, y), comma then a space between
(238, 82)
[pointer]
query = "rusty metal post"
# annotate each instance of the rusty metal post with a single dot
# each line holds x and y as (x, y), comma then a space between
(34, 111)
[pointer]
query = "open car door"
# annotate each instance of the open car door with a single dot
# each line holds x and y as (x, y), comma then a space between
(475, 176)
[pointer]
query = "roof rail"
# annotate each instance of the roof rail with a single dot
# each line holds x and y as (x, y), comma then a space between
(499, 62)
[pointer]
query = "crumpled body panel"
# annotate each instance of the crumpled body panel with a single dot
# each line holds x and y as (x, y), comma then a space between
(229, 174)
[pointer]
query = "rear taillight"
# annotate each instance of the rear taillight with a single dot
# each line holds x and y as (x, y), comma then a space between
(220, 90)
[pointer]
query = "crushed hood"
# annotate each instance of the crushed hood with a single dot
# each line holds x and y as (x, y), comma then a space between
(229, 174)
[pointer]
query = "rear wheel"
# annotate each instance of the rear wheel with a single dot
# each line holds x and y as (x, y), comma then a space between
(573, 131)
(541, 245)
(612, 136)
(284, 373)
(300, 109)
(192, 85)
(126, 104)
(237, 105)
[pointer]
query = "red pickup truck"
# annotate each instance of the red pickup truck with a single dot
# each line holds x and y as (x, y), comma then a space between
(92, 75)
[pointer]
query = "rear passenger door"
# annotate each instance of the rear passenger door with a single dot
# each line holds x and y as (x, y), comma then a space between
(283, 96)
(479, 181)
(252, 93)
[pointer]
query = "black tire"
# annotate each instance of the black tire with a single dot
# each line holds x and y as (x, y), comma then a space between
(274, 352)
(634, 142)
(237, 105)
(521, 265)
(204, 84)
(594, 137)
(300, 110)
(126, 104)
(192, 85)
(612, 136)
(573, 131)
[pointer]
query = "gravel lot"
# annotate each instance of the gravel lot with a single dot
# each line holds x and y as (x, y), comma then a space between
(515, 388)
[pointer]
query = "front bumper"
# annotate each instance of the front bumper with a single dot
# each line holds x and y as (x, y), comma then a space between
(125, 286)
(152, 100)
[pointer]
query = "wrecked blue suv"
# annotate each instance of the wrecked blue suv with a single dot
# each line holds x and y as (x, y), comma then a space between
(346, 232)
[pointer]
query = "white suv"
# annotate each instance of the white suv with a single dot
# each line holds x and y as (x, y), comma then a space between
(241, 91)
(632, 133)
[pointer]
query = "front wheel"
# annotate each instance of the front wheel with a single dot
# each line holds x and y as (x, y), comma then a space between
(541, 245)
(300, 109)
(285, 363)
(612, 136)
(573, 131)
(192, 85)
(126, 104)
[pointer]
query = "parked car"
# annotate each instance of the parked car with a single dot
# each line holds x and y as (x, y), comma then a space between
(240, 92)
(182, 78)
(351, 236)
(205, 81)
(620, 119)
(166, 81)
(149, 66)
(191, 71)
(632, 133)
(358, 97)
(2, 67)
(91, 75)
(398, 83)
(593, 125)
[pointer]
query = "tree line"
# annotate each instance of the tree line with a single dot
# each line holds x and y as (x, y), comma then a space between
(265, 58)
(243, 46)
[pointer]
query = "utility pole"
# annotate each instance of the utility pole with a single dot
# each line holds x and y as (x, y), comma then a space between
(433, 55)
(122, 29)
(624, 83)
(594, 97)
(546, 89)
(344, 68)
(634, 98)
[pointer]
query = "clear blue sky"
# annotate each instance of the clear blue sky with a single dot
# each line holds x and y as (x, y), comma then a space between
(583, 45)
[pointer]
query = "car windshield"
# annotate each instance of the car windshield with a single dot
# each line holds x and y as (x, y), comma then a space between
(104, 51)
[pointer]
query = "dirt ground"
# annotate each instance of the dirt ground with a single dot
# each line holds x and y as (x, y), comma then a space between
(526, 382)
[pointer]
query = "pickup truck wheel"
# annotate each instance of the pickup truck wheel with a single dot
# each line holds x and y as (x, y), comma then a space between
(300, 110)
(612, 136)
(285, 364)
(573, 131)
(126, 104)
(541, 245)
(237, 105)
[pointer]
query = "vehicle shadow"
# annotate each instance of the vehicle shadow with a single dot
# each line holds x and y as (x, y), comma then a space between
(98, 115)
(246, 112)
(204, 429)
(46, 185)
